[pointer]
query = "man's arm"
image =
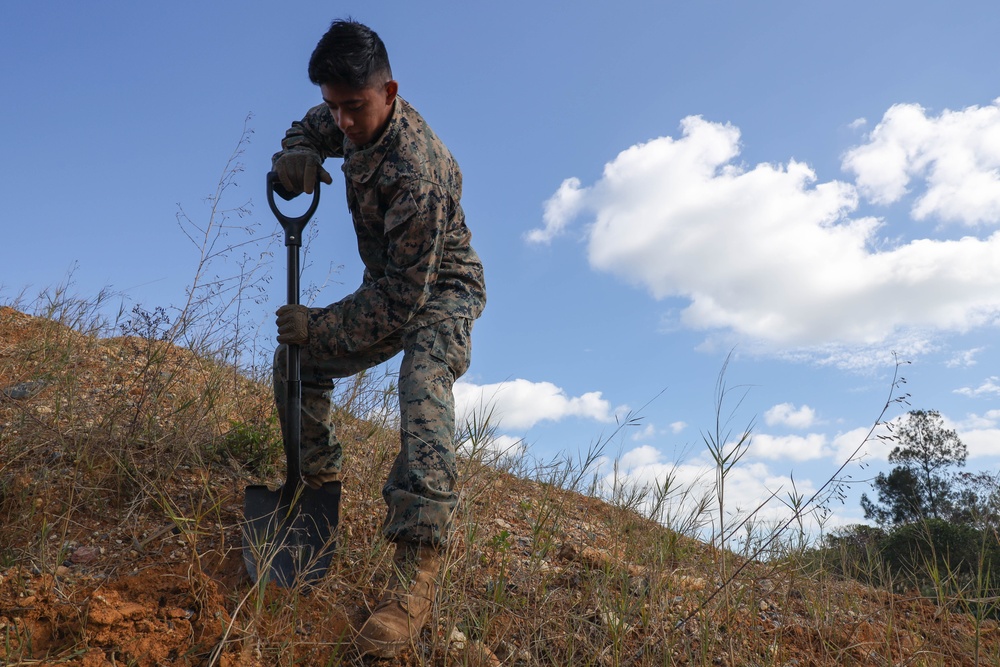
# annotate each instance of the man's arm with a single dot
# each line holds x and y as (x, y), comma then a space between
(415, 225)
(306, 145)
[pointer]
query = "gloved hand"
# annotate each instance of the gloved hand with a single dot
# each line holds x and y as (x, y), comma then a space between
(293, 324)
(297, 170)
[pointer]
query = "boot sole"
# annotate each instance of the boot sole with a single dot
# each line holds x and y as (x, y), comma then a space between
(377, 649)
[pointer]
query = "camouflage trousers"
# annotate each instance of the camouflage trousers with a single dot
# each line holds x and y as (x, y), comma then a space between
(420, 492)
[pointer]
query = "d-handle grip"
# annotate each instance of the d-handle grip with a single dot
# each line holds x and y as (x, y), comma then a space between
(293, 226)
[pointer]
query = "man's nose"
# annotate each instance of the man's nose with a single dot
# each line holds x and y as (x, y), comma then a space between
(344, 121)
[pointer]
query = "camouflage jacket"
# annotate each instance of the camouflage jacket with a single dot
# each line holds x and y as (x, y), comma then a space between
(403, 191)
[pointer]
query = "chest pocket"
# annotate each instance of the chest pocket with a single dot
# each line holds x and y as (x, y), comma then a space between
(366, 212)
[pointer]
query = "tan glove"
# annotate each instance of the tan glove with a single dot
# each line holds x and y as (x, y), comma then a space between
(297, 170)
(293, 324)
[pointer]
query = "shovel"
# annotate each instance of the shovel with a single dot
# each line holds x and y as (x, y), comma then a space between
(289, 533)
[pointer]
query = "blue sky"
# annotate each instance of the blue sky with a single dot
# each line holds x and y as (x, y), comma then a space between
(652, 186)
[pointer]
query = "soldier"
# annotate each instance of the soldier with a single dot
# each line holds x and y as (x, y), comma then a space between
(422, 288)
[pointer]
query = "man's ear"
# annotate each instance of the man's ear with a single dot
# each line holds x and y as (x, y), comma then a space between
(391, 89)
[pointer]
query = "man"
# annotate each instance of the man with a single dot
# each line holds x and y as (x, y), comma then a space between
(422, 288)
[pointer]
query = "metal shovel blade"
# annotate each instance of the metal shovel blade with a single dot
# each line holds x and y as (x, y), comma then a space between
(289, 534)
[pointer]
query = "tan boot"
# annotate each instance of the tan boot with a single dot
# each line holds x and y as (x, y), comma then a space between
(405, 608)
(317, 480)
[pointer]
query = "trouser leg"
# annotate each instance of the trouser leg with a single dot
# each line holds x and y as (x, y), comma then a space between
(420, 491)
(322, 452)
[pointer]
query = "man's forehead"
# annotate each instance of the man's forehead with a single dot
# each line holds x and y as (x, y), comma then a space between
(340, 94)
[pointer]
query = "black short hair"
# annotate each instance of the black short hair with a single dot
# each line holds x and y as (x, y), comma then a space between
(351, 54)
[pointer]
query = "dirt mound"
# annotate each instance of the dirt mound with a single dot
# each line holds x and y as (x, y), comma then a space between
(123, 463)
(153, 618)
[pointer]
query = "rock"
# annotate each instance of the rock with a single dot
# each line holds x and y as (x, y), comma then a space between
(94, 658)
(473, 653)
(23, 390)
(103, 615)
(83, 555)
(477, 655)
(132, 610)
(457, 640)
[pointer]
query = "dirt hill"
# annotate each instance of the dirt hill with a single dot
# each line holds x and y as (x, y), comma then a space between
(122, 468)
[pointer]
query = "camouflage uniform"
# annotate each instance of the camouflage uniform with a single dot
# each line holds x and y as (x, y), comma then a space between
(422, 288)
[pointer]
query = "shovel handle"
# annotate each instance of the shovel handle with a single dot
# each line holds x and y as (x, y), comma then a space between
(293, 226)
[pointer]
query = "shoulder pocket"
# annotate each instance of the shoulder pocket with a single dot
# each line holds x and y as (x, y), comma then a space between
(401, 211)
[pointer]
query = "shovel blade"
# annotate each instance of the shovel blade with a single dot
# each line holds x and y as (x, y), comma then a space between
(289, 535)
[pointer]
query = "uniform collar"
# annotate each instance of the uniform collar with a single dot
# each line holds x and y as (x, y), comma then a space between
(360, 163)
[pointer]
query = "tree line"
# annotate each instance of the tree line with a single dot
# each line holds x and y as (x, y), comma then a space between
(934, 525)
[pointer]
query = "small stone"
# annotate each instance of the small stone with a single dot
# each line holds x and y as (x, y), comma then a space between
(457, 639)
(24, 389)
(103, 615)
(83, 555)
(478, 655)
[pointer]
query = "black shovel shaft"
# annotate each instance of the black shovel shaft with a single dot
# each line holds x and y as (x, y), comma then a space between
(293, 386)
(293, 227)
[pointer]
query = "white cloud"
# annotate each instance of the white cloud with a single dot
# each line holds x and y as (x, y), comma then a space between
(990, 385)
(789, 447)
(747, 486)
(559, 210)
(770, 254)
(964, 358)
(981, 442)
(497, 448)
(677, 427)
(956, 154)
(645, 434)
(973, 422)
(980, 433)
(639, 457)
(520, 404)
(853, 443)
(905, 346)
(788, 415)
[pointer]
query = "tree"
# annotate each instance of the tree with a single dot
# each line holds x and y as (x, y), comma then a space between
(920, 486)
(918, 555)
(977, 500)
(899, 498)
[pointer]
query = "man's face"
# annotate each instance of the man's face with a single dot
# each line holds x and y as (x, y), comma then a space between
(361, 114)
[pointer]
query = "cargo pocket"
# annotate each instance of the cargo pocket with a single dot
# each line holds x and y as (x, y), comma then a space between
(453, 344)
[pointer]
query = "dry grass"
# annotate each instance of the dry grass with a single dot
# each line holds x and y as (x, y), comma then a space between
(121, 477)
